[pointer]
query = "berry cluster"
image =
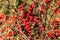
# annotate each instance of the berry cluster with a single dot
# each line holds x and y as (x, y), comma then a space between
(39, 20)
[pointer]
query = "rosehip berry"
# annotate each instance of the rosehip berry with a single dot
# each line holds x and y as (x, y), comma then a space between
(54, 10)
(47, 1)
(14, 17)
(27, 23)
(41, 28)
(0, 17)
(1, 38)
(48, 6)
(41, 9)
(56, 31)
(32, 5)
(55, 26)
(59, 34)
(36, 21)
(53, 36)
(28, 15)
(49, 34)
(21, 7)
(27, 27)
(14, 32)
(31, 20)
(57, 3)
(31, 17)
(20, 18)
(9, 34)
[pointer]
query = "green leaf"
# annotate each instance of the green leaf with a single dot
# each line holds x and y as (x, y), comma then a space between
(6, 12)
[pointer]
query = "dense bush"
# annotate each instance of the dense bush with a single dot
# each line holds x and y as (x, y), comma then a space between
(29, 19)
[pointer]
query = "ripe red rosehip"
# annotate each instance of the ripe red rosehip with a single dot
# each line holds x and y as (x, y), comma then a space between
(0, 17)
(14, 32)
(47, 1)
(31, 17)
(41, 9)
(5, 29)
(36, 21)
(57, 3)
(9, 38)
(27, 27)
(20, 18)
(55, 26)
(48, 6)
(41, 28)
(30, 20)
(27, 15)
(55, 10)
(30, 10)
(27, 23)
(59, 34)
(56, 31)
(14, 17)
(53, 36)
(49, 34)
(21, 7)
(32, 5)
(9, 34)
(26, 19)
(1, 38)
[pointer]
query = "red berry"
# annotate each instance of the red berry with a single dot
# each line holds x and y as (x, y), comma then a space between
(59, 34)
(31, 20)
(1, 38)
(0, 17)
(56, 31)
(49, 34)
(47, 1)
(55, 26)
(41, 28)
(20, 8)
(28, 15)
(14, 32)
(27, 27)
(27, 23)
(57, 3)
(53, 36)
(9, 34)
(14, 17)
(48, 6)
(20, 18)
(32, 5)
(41, 9)
(36, 21)
(54, 10)
(31, 17)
